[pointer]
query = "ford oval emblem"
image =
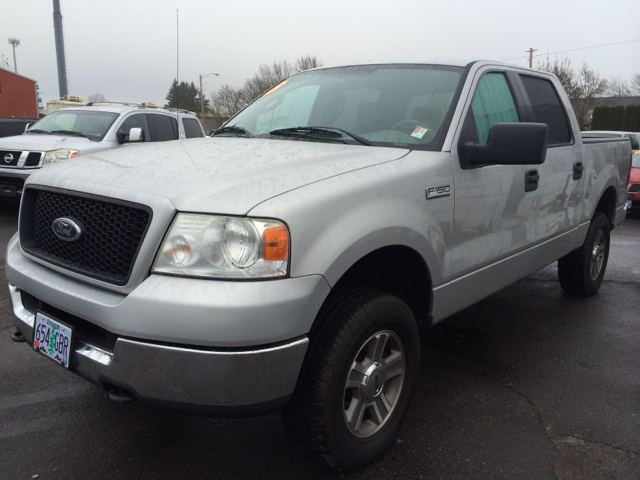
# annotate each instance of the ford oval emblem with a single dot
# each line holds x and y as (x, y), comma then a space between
(8, 158)
(68, 229)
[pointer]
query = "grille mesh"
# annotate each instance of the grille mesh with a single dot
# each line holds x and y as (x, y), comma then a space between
(33, 159)
(111, 239)
(634, 187)
(13, 161)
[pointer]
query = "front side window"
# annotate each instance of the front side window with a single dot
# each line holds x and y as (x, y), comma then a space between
(386, 105)
(492, 103)
(92, 125)
(136, 121)
(547, 108)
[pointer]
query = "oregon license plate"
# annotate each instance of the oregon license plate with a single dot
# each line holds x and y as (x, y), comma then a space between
(52, 339)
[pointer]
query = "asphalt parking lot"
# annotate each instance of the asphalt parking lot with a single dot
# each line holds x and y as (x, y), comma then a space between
(529, 383)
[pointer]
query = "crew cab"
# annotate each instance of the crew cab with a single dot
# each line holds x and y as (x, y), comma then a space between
(74, 131)
(289, 261)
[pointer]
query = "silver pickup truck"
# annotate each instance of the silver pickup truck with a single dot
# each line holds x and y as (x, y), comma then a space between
(290, 261)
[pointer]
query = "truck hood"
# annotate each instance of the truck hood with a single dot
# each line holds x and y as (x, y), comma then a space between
(44, 142)
(215, 175)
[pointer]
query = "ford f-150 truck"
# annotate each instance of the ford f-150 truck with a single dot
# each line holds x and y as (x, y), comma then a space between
(290, 261)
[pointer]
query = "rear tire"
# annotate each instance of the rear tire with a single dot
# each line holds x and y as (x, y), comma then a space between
(357, 381)
(581, 272)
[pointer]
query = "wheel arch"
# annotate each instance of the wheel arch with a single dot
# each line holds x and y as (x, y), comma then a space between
(607, 205)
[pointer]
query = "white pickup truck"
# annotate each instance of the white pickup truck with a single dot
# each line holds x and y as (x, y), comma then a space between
(289, 261)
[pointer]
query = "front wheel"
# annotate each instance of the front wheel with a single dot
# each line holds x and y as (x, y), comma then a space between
(358, 379)
(581, 272)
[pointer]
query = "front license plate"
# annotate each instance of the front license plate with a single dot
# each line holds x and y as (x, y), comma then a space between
(52, 339)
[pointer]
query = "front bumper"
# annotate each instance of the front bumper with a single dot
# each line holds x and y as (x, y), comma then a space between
(232, 347)
(175, 376)
(12, 181)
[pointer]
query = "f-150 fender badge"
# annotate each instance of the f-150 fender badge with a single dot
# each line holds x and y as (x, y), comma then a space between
(435, 192)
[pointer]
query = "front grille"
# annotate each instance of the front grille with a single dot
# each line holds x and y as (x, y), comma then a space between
(634, 187)
(113, 232)
(33, 159)
(9, 158)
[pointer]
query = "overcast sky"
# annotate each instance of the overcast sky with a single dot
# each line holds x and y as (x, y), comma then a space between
(126, 50)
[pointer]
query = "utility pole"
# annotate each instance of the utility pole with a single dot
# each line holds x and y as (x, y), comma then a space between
(15, 42)
(201, 99)
(60, 55)
(530, 51)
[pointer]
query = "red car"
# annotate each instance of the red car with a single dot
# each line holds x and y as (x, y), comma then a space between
(634, 180)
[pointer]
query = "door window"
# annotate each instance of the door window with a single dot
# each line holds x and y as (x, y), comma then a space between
(547, 108)
(163, 128)
(492, 103)
(191, 128)
(136, 121)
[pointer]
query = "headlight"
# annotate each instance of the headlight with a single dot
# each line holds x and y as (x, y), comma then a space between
(224, 247)
(56, 155)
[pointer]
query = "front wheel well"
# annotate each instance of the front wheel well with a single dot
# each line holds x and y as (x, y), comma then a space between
(398, 270)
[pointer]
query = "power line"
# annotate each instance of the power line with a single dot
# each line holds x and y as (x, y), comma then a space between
(574, 49)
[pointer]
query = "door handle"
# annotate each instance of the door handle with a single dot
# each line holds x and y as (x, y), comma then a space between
(578, 168)
(531, 178)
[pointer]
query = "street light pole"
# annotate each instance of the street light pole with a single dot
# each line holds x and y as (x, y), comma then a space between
(15, 42)
(201, 100)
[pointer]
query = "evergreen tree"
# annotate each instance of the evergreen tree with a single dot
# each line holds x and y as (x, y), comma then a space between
(185, 96)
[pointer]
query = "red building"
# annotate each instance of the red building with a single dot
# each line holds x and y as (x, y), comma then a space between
(18, 96)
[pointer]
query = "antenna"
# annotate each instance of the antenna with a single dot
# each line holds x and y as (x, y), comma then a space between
(177, 72)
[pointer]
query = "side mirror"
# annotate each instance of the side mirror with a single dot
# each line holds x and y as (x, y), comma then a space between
(136, 135)
(26, 127)
(511, 144)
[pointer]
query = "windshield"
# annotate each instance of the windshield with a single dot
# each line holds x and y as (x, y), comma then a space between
(389, 105)
(635, 159)
(92, 125)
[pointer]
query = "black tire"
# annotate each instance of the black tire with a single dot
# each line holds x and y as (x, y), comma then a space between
(581, 272)
(365, 331)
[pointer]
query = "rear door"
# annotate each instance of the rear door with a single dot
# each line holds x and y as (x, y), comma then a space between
(562, 173)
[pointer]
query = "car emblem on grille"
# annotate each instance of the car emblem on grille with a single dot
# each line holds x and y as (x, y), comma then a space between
(68, 229)
(8, 158)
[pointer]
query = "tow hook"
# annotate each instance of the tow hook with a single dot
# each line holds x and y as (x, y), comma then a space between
(120, 395)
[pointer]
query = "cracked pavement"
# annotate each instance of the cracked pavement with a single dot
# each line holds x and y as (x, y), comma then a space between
(529, 383)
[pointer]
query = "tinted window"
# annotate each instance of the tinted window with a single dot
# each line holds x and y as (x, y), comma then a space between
(192, 128)
(547, 108)
(136, 121)
(492, 103)
(163, 128)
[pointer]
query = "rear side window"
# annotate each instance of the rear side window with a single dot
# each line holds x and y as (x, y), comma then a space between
(191, 128)
(547, 108)
(163, 128)
(492, 103)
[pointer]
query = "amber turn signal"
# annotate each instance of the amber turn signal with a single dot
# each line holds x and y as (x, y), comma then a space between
(276, 243)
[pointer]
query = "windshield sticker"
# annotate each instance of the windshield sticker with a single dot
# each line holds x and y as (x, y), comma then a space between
(269, 92)
(419, 131)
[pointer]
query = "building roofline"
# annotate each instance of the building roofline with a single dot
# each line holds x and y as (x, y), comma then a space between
(18, 75)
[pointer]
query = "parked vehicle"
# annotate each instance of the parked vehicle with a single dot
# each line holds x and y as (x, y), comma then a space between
(71, 132)
(289, 261)
(634, 181)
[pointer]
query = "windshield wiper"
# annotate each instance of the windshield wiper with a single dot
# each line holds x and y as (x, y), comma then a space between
(311, 131)
(233, 129)
(37, 130)
(75, 134)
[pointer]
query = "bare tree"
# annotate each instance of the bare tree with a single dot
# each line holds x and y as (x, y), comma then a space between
(589, 85)
(620, 88)
(227, 100)
(307, 62)
(635, 84)
(581, 87)
(96, 98)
